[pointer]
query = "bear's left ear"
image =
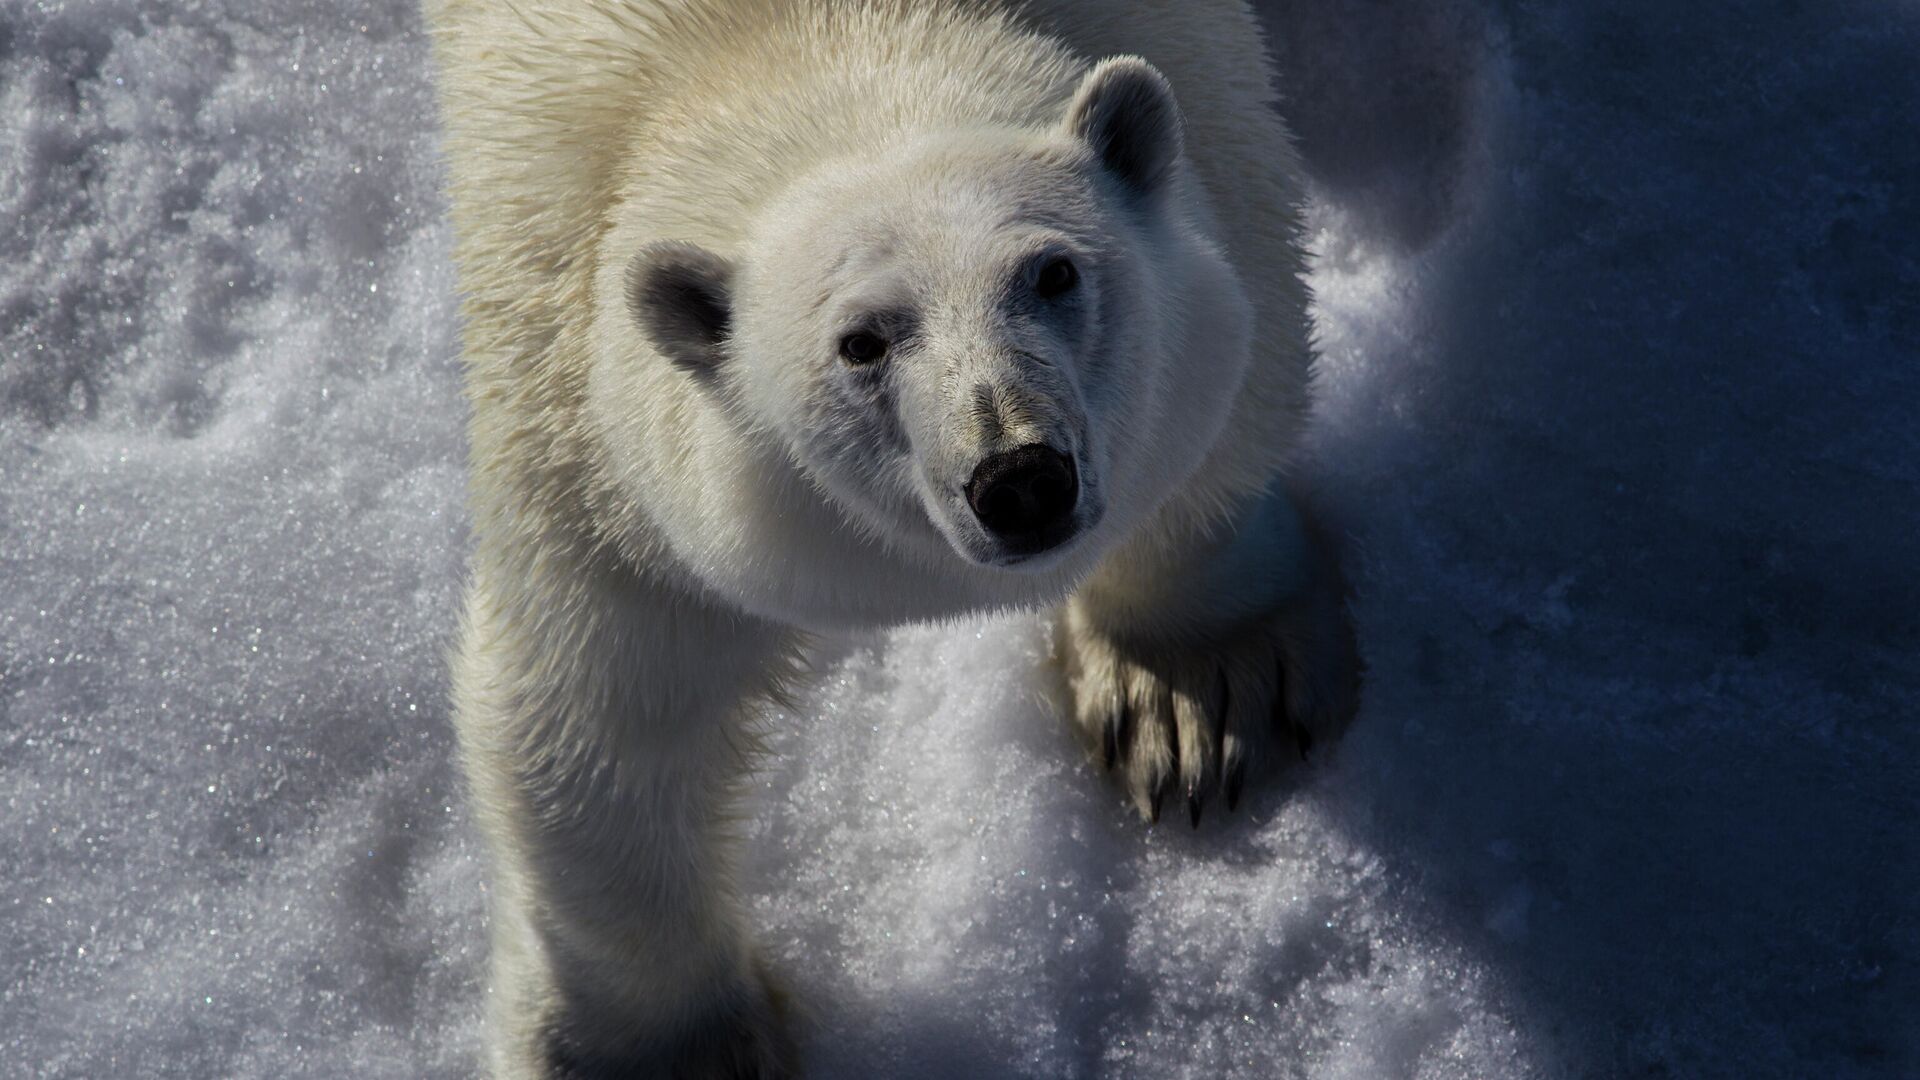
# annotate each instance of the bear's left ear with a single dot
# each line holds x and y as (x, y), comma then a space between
(1125, 110)
(682, 296)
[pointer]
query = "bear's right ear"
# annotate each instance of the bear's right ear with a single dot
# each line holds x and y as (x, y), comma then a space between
(682, 296)
(1124, 109)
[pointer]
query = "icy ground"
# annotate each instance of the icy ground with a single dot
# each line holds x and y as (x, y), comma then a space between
(1621, 408)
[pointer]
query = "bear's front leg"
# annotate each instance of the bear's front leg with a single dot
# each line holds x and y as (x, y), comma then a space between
(1189, 653)
(601, 728)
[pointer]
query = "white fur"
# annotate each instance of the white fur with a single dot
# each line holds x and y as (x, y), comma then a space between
(651, 539)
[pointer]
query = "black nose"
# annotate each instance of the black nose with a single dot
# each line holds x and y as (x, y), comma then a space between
(1025, 496)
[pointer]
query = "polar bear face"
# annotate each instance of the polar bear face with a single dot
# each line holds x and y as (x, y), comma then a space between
(1015, 341)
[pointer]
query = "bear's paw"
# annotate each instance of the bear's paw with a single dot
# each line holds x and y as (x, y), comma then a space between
(1191, 718)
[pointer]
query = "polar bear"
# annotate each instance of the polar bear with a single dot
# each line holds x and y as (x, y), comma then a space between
(783, 316)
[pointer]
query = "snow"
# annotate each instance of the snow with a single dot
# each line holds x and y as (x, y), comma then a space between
(1619, 407)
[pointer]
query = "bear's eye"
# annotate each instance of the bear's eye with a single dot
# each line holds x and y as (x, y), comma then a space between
(1055, 278)
(861, 347)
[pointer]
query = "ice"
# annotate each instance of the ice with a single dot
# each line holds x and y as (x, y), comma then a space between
(1619, 408)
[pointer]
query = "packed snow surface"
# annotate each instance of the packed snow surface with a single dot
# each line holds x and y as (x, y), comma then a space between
(1621, 410)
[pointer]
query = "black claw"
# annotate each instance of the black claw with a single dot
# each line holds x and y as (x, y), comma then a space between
(1119, 733)
(1159, 795)
(1193, 806)
(1236, 776)
(1302, 739)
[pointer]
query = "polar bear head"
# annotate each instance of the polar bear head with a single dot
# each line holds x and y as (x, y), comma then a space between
(1018, 340)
